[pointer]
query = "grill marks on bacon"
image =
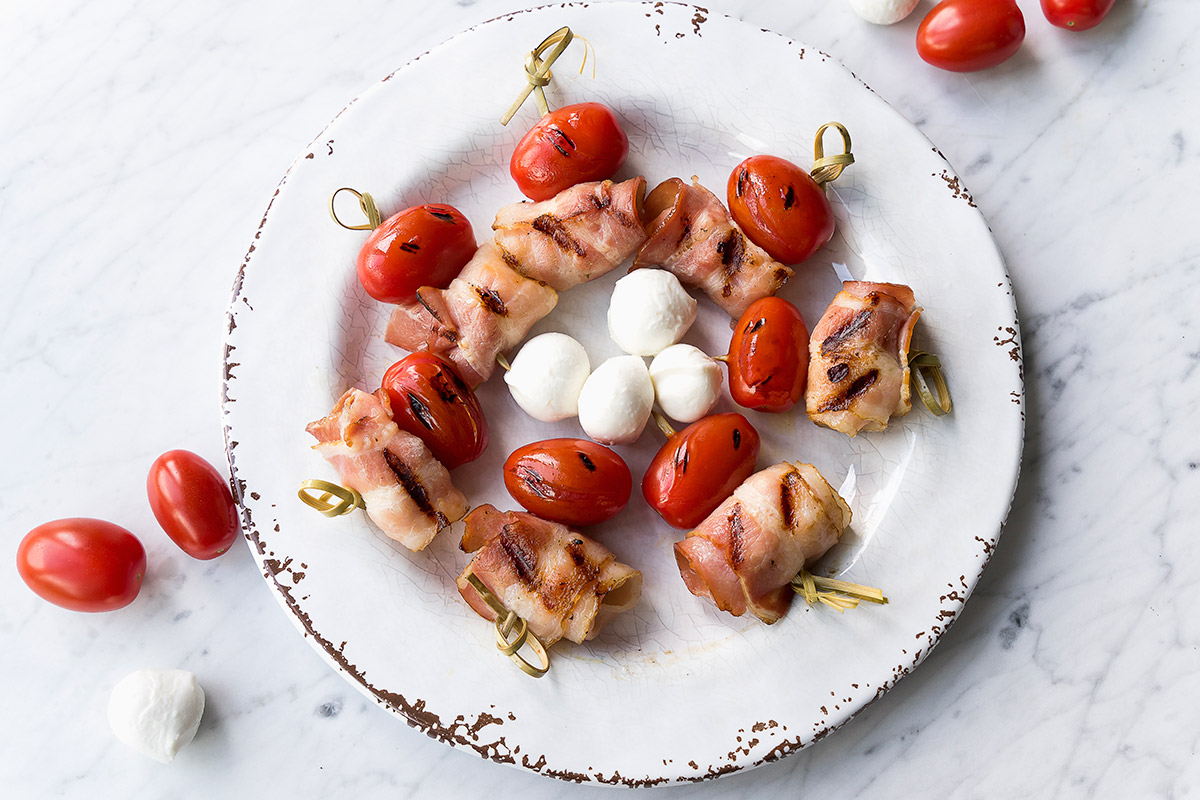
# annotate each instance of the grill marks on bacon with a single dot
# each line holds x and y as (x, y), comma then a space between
(539, 250)
(744, 555)
(692, 235)
(407, 492)
(563, 584)
(858, 377)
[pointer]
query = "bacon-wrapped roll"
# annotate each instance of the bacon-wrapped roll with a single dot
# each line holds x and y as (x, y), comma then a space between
(562, 583)
(858, 375)
(576, 236)
(745, 554)
(407, 492)
(693, 236)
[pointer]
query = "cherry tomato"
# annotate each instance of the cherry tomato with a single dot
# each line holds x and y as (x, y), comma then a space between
(572, 481)
(193, 504)
(970, 35)
(421, 246)
(1076, 15)
(570, 145)
(699, 467)
(780, 207)
(768, 356)
(430, 401)
(82, 564)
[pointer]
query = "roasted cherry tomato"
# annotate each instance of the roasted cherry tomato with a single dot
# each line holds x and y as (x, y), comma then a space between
(82, 564)
(768, 356)
(421, 246)
(699, 467)
(969, 35)
(780, 207)
(193, 504)
(430, 401)
(570, 145)
(572, 481)
(1076, 15)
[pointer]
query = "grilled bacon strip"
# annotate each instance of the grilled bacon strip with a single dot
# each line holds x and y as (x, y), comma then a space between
(563, 584)
(692, 235)
(858, 375)
(745, 554)
(407, 492)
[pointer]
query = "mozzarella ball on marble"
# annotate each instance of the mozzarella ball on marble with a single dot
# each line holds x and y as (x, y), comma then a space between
(156, 711)
(616, 400)
(687, 383)
(547, 375)
(649, 311)
(883, 12)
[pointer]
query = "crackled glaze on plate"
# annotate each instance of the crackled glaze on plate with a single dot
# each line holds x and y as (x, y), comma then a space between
(674, 690)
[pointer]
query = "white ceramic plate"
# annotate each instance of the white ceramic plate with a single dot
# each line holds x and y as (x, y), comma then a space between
(674, 690)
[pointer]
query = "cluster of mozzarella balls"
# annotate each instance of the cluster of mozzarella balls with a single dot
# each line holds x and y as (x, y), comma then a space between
(551, 377)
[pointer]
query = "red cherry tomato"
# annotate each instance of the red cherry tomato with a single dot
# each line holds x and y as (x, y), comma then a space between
(1076, 15)
(421, 246)
(570, 145)
(193, 504)
(699, 467)
(82, 564)
(970, 35)
(430, 401)
(572, 481)
(780, 207)
(768, 356)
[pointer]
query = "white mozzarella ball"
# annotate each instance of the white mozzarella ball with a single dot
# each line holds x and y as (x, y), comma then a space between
(649, 310)
(616, 400)
(687, 383)
(883, 12)
(547, 375)
(156, 711)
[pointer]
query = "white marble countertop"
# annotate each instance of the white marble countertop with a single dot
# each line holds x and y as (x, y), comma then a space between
(141, 143)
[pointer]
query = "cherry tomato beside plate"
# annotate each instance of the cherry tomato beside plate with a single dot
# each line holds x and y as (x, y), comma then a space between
(82, 564)
(970, 35)
(570, 145)
(1076, 15)
(780, 207)
(421, 246)
(430, 401)
(572, 481)
(193, 504)
(699, 467)
(768, 356)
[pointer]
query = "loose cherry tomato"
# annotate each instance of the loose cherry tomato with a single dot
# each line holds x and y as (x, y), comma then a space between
(569, 145)
(1076, 15)
(780, 207)
(699, 467)
(572, 481)
(421, 246)
(970, 35)
(768, 356)
(430, 401)
(82, 564)
(193, 504)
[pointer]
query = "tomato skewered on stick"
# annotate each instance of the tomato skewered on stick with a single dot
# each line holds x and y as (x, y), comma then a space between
(768, 356)
(571, 481)
(431, 401)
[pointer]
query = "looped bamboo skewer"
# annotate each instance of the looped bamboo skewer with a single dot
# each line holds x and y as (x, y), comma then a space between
(348, 498)
(365, 202)
(828, 168)
(537, 71)
(506, 622)
(920, 363)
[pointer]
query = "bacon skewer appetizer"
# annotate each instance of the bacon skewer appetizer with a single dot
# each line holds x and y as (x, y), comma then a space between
(746, 553)
(858, 375)
(407, 492)
(692, 235)
(540, 249)
(563, 584)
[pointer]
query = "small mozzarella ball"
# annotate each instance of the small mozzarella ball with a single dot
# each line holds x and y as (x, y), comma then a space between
(883, 12)
(156, 711)
(547, 375)
(687, 383)
(649, 310)
(616, 400)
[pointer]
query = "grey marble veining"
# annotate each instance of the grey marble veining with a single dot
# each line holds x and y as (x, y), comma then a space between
(141, 144)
